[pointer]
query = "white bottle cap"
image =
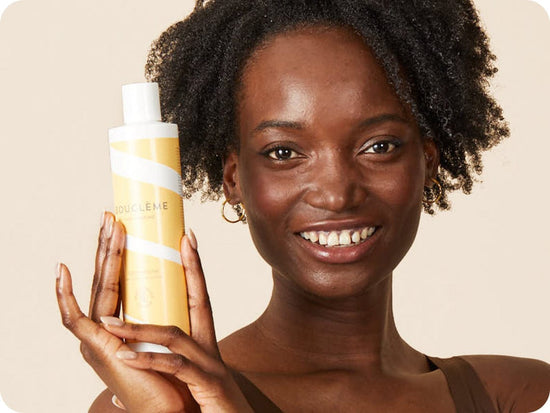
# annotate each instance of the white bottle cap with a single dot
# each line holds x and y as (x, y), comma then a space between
(141, 103)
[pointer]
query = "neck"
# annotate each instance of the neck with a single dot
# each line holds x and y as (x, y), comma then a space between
(338, 333)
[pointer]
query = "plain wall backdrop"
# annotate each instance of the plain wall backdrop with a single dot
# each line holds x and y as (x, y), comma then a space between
(476, 280)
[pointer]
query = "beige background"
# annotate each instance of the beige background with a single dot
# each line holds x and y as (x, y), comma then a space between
(476, 280)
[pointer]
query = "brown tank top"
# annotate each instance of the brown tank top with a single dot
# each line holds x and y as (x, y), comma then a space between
(468, 393)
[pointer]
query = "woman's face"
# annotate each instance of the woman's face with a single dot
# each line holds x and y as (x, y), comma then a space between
(328, 155)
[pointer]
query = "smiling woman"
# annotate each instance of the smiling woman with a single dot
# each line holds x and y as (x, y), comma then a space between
(333, 125)
(328, 105)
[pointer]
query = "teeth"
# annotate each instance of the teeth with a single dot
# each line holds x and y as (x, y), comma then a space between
(313, 237)
(333, 239)
(339, 238)
(345, 238)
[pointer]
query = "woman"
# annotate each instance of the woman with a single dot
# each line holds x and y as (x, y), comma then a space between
(330, 125)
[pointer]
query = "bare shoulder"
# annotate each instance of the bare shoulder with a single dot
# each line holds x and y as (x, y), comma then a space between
(235, 349)
(103, 403)
(516, 384)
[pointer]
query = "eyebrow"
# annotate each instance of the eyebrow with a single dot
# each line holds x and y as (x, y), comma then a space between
(266, 124)
(386, 117)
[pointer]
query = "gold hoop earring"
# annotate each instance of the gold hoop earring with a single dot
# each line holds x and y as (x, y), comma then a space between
(429, 197)
(239, 210)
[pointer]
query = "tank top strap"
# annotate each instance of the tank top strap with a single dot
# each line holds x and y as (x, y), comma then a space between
(467, 390)
(255, 397)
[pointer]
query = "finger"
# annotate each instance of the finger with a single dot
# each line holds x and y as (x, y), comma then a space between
(105, 232)
(218, 387)
(173, 364)
(107, 291)
(71, 315)
(200, 310)
(117, 402)
(75, 320)
(175, 339)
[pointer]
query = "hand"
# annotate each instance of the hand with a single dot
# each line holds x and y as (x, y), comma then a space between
(195, 359)
(141, 387)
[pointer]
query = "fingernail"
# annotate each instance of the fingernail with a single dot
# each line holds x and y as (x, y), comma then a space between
(117, 402)
(126, 355)
(58, 276)
(102, 221)
(111, 321)
(192, 239)
(109, 226)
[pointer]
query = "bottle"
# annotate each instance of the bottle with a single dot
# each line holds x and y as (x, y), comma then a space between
(145, 165)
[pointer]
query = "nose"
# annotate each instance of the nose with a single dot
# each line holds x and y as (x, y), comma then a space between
(336, 184)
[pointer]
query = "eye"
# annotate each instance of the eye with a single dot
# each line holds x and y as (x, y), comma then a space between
(381, 147)
(281, 153)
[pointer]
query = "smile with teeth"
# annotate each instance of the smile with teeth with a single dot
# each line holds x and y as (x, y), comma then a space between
(339, 238)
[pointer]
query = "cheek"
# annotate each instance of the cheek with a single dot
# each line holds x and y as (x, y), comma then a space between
(403, 199)
(402, 184)
(405, 189)
(268, 199)
(268, 195)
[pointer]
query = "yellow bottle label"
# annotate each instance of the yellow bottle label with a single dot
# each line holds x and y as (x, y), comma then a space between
(148, 202)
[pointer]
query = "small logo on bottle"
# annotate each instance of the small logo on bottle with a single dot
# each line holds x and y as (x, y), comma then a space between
(144, 297)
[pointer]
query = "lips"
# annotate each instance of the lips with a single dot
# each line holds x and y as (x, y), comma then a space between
(338, 243)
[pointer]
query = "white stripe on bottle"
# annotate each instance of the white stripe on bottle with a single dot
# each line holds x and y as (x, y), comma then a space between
(142, 246)
(144, 170)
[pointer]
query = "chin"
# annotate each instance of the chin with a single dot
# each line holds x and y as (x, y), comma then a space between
(344, 282)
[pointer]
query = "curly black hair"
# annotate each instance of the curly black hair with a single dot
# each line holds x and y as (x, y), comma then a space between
(435, 54)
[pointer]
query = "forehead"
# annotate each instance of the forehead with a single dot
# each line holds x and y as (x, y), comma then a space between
(320, 69)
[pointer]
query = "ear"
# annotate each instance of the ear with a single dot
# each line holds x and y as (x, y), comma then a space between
(431, 156)
(231, 183)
